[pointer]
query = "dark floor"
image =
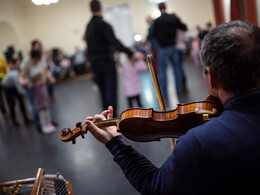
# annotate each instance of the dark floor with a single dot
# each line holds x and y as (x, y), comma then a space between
(88, 164)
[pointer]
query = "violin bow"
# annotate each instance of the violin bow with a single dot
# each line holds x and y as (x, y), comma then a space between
(149, 60)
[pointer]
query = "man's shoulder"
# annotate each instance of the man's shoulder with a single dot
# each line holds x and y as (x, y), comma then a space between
(100, 21)
(228, 129)
(166, 18)
(208, 130)
(100, 25)
(105, 24)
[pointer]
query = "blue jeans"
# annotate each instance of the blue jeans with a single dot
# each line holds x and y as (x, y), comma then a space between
(164, 54)
(30, 96)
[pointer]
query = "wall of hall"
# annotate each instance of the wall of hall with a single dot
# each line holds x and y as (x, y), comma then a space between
(12, 15)
(63, 24)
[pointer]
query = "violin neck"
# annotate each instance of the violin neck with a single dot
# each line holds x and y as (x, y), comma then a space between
(107, 123)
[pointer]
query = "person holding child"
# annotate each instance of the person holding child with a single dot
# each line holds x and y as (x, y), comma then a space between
(35, 76)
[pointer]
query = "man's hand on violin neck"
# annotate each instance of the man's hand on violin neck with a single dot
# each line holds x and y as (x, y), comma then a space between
(104, 134)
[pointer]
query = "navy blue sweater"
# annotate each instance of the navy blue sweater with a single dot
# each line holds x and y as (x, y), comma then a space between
(222, 156)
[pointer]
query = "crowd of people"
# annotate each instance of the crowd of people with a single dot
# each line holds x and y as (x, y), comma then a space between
(99, 57)
(32, 79)
(166, 41)
(169, 42)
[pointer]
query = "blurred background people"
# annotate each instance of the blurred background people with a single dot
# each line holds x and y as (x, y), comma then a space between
(36, 44)
(164, 31)
(203, 32)
(3, 72)
(181, 46)
(153, 42)
(101, 42)
(79, 61)
(14, 91)
(35, 77)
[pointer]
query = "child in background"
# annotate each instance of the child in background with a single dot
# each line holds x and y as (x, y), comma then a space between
(14, 90)
(35, 77)
(196, 50)
(131, 71)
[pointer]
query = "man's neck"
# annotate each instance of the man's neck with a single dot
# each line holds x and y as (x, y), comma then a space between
(163, 11)
(224, 96)
(97, 13)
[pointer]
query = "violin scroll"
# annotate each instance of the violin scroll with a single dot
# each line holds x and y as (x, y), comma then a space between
(67, 135)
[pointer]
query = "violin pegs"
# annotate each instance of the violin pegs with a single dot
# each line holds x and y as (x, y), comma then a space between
(64, 132)
(82, 136)
(78, 125)
(74, 141)
(69, 130)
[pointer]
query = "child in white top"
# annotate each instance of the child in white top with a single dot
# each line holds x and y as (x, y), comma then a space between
(34, 76)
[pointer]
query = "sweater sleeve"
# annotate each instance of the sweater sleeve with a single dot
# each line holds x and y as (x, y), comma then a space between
(110, 36)
(137, 169)
(175, 176)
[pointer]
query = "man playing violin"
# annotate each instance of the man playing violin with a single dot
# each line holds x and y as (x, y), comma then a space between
(221, 155)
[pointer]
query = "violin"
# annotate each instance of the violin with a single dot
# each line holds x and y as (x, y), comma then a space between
(145, 125)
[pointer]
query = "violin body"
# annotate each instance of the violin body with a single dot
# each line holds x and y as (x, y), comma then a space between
(145, 125)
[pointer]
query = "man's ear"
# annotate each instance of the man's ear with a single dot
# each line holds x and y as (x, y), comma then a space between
(212, 79)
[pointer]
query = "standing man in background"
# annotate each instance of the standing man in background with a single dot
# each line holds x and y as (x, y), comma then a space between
(165, 33)
(101, 45)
